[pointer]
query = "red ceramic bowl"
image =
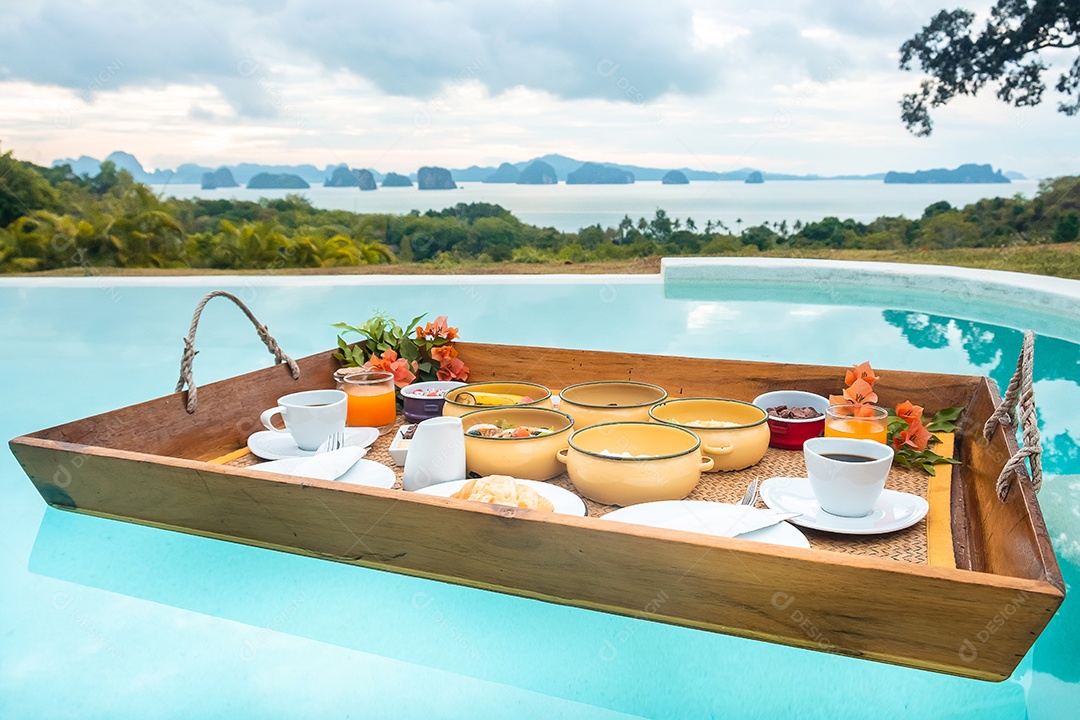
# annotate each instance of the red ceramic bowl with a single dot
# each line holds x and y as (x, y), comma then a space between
(791, 434)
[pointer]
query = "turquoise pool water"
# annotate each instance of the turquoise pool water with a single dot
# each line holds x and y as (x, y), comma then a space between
(107, 619)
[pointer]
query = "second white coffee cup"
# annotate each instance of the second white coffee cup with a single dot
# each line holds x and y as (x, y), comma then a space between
(847, 475)
(309, 416)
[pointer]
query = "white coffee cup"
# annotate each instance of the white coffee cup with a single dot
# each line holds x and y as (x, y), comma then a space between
(843, 487)
(310, 416)
(436, 453)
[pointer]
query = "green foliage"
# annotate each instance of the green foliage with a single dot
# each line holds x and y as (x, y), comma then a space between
(23, 190)
(111, 221)
(1067, 228)
(960, 60)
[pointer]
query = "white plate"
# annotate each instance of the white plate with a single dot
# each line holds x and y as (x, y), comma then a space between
(565, 502)
(705, 517)
(280, 446)
(364, 472)
(893, 511)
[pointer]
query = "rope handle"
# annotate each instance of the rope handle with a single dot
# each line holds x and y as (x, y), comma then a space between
(190, 352)
(1022, 394)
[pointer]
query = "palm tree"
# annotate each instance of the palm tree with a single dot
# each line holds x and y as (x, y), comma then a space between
(258, 245)
(374, 253)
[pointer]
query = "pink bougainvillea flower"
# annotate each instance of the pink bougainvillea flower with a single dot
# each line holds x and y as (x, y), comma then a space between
(860, 372)
(915, 436)
(402, 369)
(909, 413)
(437, 329)
(453, 369)
(443, 353)
(861, 393)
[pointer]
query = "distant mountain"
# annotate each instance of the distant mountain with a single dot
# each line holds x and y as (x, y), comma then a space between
(220, 178)
(538, 172)
(344, 176)
(596, 174)
(965, 174)
(392, 179)
(754, 178)
(561, 165)
(506, 173)
(675, 177)
(277, 181)
(435, 178)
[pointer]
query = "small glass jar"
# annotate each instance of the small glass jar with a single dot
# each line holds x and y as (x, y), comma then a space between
(862, 422)
(371, 398)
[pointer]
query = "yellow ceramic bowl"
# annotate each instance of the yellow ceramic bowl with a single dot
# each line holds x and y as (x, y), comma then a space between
(605, 401)
(528, 458)
(731, 448)
(539, 396)
(667, 466)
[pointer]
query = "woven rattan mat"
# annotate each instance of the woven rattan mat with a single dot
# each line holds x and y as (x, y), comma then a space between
(908, 545)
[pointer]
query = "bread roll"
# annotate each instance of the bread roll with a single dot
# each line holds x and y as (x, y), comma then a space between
(502, 490)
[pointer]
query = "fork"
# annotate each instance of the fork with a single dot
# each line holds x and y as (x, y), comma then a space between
(336, 441)
(751, 494)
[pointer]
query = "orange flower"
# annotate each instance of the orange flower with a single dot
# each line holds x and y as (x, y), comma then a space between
(436, 329)
(453, 369)
(861, 372)
(861, 393)
(401, 368)
(442, 353)
(909, 413)
(915, 436)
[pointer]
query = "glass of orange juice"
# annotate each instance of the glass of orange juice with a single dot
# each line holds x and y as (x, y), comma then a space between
(371, 400)
(861, 422)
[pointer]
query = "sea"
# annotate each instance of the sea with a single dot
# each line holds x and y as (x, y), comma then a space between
(569, 208)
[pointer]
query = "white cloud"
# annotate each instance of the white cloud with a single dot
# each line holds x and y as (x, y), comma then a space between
(787, 87)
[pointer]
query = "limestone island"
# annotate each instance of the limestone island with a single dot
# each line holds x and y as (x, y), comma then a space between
(538, 173)
(675, 177)
(507, 174)
(344, 176)
(277, 181)
(435, 178)
(754, 178)
(220, 178)
(965, 174)
(392, 179)
(596, 174)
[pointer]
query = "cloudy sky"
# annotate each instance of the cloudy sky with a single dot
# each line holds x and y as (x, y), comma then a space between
(781, 86)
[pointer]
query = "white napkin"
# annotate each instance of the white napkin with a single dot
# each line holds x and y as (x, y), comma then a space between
(331, 465)
(752, 519)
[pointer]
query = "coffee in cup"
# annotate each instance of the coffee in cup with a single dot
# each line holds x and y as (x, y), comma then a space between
(310, 416)
(847, 475)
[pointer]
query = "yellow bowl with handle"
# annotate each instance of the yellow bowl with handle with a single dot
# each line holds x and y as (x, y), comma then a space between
(634, 462)
(527, 458)
(483, 395)
(605, 401)
(735, 434)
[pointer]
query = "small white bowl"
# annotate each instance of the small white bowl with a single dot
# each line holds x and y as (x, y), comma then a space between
(399, 448)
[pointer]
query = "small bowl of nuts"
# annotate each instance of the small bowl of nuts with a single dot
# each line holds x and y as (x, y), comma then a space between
(794, 417)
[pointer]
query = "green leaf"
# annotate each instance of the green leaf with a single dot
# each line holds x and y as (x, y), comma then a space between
(415, 321)
(947, 414)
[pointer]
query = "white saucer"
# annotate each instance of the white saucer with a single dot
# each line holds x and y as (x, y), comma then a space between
(565, 502)
(893, 511)
(280, 446)
(364, 472)
(709, 518)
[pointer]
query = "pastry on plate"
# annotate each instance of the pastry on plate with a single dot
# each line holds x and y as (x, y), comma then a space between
(502, 490)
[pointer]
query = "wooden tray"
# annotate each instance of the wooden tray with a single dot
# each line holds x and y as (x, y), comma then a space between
(973, 614)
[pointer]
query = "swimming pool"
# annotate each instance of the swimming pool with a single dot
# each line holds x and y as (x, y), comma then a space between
(107, 619)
